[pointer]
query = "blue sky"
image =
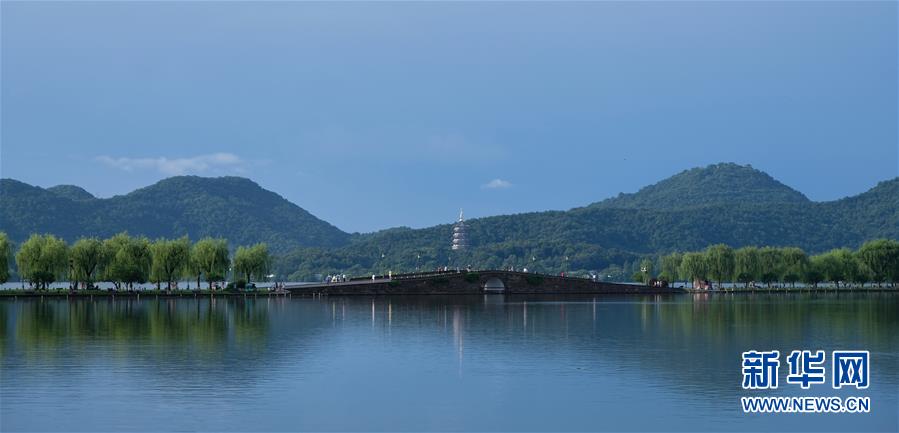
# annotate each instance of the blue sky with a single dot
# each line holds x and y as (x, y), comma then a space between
(386, 114)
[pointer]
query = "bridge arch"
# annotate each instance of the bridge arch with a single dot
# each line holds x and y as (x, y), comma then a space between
(494, 284)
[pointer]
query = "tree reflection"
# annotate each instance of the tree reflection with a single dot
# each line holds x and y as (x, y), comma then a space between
(664, 336)
(681, 339)
(205, 323)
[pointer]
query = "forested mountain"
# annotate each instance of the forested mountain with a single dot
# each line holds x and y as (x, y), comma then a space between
(718, 184)
(231, 207)
(71, 192)
(723, 203)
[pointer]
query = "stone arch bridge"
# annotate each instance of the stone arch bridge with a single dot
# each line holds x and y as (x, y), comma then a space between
(471, 282)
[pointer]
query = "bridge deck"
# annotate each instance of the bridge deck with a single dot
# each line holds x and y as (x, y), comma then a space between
(470, 282)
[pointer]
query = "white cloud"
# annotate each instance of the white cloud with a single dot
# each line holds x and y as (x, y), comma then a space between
(497, 184)
(176, 166)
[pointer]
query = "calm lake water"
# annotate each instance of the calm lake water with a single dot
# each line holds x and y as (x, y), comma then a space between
(485, 363)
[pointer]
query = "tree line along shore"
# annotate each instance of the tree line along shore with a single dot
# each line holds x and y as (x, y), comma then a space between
(875, 262)
(126, 261)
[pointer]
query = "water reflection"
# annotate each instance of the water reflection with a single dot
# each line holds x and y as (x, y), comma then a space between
(452, 363)
(204, 322)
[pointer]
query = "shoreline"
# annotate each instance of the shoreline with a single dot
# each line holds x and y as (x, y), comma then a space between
(151, 293)
(796, 290)
(7, 294)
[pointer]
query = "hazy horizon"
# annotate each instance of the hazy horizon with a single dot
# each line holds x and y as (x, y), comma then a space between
(381, 115)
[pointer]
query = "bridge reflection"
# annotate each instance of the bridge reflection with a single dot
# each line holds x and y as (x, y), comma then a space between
(658, 335)
(470, 282)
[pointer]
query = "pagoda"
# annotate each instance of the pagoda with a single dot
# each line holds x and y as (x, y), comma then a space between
(459, 240)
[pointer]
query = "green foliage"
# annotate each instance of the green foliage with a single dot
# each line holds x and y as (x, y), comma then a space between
(881, 257)
(210, 258)
(88, 258)
(694, 266)
(718, 184)
(771, 264)
(5, 253)
(814, 272)
(831, 265)
(129, 259)
(645, 271)
(613, 273)
(794, 264)
(671, 266)
(231, 207)
(725, 204)
(71, 192)
(378, 253)
(253, 261)
(877, 261)
(43, 259)
(721, 262)
(639, 277)
(171, 259)
(747, 265)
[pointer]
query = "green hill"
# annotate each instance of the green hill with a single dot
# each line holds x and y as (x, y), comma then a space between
(718, 184)
(231, 207)
(723, 203)
(71, 192)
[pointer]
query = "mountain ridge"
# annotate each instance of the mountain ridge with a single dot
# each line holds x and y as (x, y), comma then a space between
(596, 237)
(232, 207)
(721, 203)
(72, 192)
(703, 186)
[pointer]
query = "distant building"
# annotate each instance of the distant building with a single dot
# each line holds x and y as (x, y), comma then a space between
(460, 242)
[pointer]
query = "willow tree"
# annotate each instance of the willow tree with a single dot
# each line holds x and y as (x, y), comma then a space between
(720, 259)
(87, 258)
(854, 270)
(170, 259)
(794, 264)
(43, 259)
(881, 256)
(671, 266)
(747, 265)
(128, 260)
(694, 267)
(815, 270)
(5, 253)
(770, 263)
(829, 267)
(209, 258)
(252, 261)
(836, 265)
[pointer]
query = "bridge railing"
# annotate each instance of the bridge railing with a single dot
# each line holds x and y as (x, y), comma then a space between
(406, 275)
(432, 274)
(415, 275)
